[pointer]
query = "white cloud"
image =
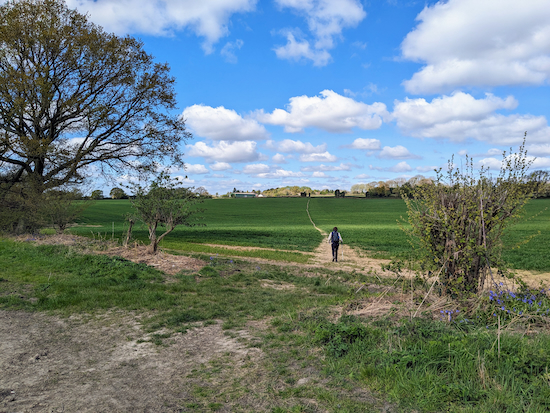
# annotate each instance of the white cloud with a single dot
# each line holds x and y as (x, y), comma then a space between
(224, 151)
(495, 164)
(400, 167)
(418, 113)
(299, 50)
(461, 116)
(184, 180)
(318, 174)
(228, 51)
(318, 157)
(362, 176)
(220, 166)
(491, 163)
(479, 43)
(256, 169)
(368, 144)
(397, 152)
(541, 163)
(325, 19)
(327, 168)
(290, 146)
(494, 151)
(329, 111)
(196, 169)
(278, 158)
(281, 173)
(208, 19)
(222, 124)
(426, 168)
(539, 150)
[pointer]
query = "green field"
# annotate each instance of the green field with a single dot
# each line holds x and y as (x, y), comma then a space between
(363, 363)
(283, 224)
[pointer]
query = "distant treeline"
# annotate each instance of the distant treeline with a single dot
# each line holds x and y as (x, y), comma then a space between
(391, 188)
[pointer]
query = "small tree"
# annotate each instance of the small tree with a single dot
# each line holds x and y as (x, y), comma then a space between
(458, 220)
(97, 194)
(61, 209)
(202, 192)
(164, 204)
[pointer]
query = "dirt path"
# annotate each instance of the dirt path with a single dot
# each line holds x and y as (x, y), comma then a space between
(50, 364)
(348, 258)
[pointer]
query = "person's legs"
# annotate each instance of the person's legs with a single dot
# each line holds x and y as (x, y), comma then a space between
(334, 252)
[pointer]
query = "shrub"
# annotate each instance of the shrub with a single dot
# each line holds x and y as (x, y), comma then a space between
(457, 222)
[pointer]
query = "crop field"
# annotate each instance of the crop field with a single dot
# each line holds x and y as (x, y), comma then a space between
(282, 224)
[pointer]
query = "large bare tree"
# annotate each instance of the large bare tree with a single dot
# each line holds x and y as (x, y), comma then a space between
(72, 95)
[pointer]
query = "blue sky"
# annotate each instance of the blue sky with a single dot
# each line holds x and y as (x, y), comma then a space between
(331, 93)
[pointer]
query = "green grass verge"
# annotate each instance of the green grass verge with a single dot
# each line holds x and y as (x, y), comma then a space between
(60, 279)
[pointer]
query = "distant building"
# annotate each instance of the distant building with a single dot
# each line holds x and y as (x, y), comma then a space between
(244, 195)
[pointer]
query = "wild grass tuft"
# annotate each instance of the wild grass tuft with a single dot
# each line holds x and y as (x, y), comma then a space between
(433, 366)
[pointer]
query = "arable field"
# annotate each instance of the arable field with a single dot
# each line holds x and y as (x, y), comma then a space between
(282, 224)
(84, 329)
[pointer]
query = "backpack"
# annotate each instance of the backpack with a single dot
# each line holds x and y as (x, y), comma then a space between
(334, 238)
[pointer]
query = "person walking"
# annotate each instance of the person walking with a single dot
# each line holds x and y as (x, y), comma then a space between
(334, 238)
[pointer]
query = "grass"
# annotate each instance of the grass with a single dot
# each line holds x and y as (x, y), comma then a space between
(282, 224)
(351, 364)
(268, 223)
(285, 256)
(370, 224)
(57, 278)
(432, 366)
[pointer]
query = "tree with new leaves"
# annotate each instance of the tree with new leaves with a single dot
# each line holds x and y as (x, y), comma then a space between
(118, 193)
(164, 204)
(458, 220)
(72, 96)
(97, 194)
